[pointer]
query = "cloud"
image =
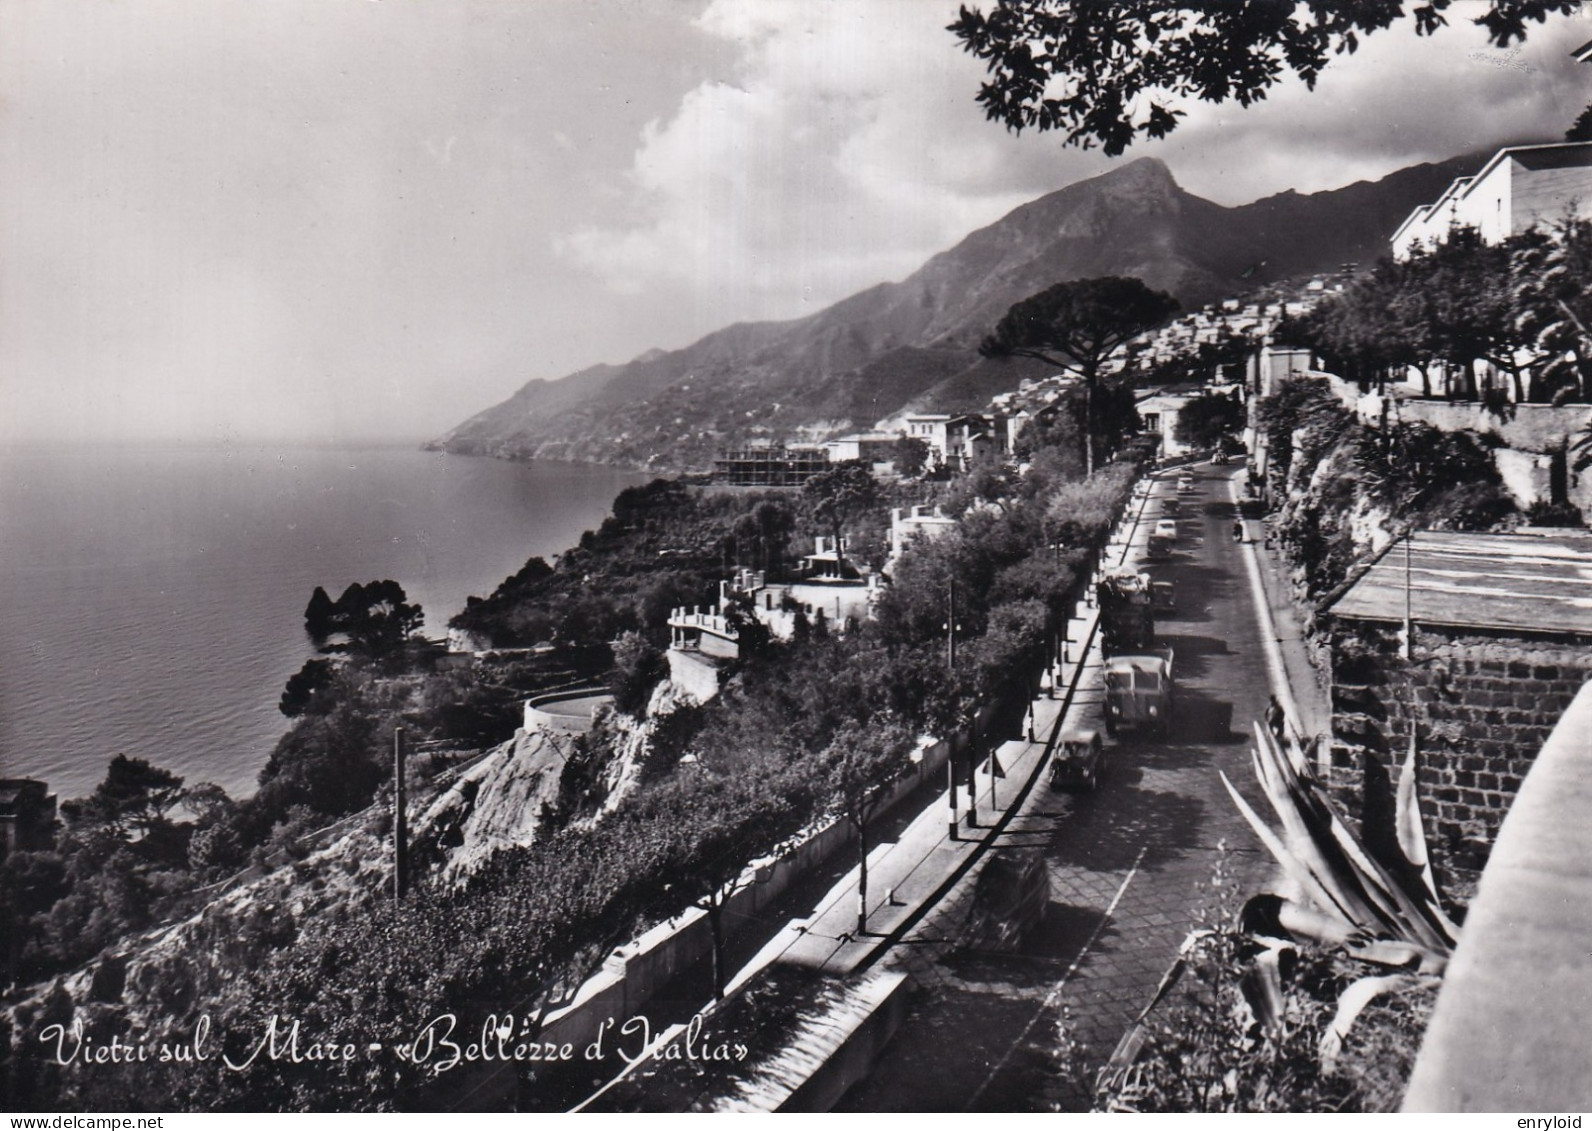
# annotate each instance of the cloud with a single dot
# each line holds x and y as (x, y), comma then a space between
(1400, 99)
(374, 218)
(843, 149)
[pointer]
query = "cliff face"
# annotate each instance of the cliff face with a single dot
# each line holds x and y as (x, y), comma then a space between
(498, 802)
(915, 342)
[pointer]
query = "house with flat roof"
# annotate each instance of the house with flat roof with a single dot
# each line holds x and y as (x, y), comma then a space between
(908, 524)
(1473, 645)
(877, 448)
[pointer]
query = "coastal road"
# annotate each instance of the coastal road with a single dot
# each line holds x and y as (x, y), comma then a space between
(1131, 869)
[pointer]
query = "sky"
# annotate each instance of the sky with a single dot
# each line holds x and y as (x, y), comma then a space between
(340, 221)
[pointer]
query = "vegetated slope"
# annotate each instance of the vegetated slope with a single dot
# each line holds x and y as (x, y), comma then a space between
(915, 341)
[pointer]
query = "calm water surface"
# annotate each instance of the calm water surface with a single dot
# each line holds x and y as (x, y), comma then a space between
(151, 599)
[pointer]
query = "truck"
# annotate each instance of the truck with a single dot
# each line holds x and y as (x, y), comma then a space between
(1127, 616)
(1139, 691)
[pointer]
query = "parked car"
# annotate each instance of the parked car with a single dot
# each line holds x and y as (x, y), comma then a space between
(1139, 692)
(1079, 760)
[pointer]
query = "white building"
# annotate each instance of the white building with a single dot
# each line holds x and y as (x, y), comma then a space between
(908, 524)
(1519, 188)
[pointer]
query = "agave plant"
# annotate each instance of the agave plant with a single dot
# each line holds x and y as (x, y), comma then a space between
(1376, 899)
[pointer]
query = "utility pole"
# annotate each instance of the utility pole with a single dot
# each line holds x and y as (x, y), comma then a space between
(1409, 617)
(950, 628)
(400, 827)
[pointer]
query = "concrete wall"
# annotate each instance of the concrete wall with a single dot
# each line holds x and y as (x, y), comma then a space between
(694, 676)
(1545, 196)
(1483, 703)
(859, 1051)
(1537, 428)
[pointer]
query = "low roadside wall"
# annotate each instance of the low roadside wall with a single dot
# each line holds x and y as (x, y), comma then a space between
(636, 971)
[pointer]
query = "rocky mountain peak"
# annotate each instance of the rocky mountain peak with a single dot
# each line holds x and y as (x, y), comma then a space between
(914, 343)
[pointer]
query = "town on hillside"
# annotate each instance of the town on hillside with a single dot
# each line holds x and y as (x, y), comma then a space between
(1197, 724)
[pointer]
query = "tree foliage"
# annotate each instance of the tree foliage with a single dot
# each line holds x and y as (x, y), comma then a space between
(638, 668)
(1210, 420)
(375, 619)
(1110, 72)
(299, 696)
(1581, 128)
(839, 495)
(1553, 310)
(1077, 325)
(911, 455)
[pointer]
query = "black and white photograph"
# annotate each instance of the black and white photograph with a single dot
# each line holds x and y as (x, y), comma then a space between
(653, 556)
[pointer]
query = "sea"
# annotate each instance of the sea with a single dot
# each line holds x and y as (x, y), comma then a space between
(152, 598)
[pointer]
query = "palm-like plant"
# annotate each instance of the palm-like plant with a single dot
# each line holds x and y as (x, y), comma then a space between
(1375, 899)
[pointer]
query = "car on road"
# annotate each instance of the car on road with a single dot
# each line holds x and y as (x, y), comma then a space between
(1185, 483)
(1079, 760)
(1139, 692)
(1009, 900)
(1163, 595)
(1165, 528)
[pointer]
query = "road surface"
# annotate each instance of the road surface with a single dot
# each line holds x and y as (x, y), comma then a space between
(1130, 868)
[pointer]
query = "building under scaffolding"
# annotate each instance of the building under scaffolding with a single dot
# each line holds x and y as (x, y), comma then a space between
(770, 467)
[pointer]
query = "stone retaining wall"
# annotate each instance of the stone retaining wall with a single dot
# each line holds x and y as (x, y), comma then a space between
(1483, 704)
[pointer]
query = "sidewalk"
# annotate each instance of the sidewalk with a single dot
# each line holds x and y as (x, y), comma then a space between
(1310, 705)
(907, 875)
(907, 879)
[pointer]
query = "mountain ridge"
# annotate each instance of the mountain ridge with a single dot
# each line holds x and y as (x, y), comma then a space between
(874, 352)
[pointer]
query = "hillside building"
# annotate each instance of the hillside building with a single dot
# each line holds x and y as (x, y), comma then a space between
(1158, 413)
(703, 647)
(876, 448)
(771, 466)
(1520, 187)
(908, 524)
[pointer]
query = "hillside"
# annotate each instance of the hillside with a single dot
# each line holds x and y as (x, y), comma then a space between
(914, 342)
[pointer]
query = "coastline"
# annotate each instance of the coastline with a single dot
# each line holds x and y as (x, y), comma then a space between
(156, 592)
